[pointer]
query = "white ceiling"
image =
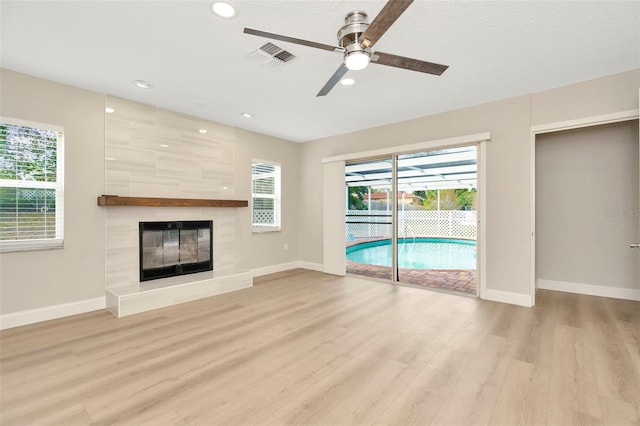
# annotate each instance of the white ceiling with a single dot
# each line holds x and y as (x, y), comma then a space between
(198, 61)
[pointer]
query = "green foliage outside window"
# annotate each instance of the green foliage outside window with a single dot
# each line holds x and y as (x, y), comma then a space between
(28, 154)
(450, 199)
(28, 183)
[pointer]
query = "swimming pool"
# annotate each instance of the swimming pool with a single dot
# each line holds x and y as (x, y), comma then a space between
(418, 253)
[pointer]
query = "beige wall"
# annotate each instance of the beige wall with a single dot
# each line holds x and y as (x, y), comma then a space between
(586, 196)
(615, 93)
(508, 164)
(267, 249)
(39, 279)
(36, 279)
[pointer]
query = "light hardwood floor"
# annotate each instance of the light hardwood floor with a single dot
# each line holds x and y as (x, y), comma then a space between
(303, 347)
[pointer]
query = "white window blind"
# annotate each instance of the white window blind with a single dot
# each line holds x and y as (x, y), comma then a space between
(31, 185)
(265, 196)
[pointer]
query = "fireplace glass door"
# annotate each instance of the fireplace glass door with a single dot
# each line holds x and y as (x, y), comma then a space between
(175, 248)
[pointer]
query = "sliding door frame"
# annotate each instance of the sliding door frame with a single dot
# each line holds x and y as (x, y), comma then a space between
(333, 242)
(394, 218)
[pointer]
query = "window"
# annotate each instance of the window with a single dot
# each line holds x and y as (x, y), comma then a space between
(265, 196)
(31, 185)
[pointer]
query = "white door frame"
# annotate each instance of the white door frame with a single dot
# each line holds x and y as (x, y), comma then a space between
(480, 139)
(595, 120)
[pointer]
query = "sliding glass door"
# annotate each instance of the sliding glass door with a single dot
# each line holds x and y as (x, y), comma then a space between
(412, 218)
(368, 219)
(437, 219)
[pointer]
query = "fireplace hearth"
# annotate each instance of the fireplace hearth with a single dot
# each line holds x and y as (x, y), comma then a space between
(169, 249)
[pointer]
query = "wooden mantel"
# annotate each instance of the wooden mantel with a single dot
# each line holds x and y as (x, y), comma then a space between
(114, 200)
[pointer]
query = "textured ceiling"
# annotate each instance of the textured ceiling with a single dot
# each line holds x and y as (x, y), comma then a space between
(198, 62)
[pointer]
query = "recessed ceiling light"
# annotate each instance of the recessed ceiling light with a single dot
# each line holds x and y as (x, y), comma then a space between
(110, 158)
(164, 145)
(142, 84)
(223, 9)
(109, 110)
(247, 115)
(347, 81)
(202, 131)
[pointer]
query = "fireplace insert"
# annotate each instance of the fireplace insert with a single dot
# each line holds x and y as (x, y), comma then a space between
(168, 249)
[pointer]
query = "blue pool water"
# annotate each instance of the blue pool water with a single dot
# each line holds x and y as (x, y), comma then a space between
(418, 253)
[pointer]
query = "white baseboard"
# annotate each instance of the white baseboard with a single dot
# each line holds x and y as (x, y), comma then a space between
(272, 269)
(310, 265)
(507, 297)
(31, 316)
(590, 289)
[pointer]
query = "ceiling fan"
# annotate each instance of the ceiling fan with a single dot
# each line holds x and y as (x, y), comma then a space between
(356, 38)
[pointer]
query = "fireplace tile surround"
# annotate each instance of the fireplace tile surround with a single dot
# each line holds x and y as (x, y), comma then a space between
(152, 152)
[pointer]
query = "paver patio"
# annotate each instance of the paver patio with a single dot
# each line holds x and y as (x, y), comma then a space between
(456, 280)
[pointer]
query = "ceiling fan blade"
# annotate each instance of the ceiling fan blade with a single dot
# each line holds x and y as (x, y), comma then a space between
(308, 43)
(340, 72)
(408, 63)
(381, 23)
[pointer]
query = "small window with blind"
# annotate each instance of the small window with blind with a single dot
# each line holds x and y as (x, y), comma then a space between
(265, 196)
(31, 185)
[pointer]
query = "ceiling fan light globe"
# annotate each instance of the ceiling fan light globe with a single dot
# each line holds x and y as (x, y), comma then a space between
(356, 61)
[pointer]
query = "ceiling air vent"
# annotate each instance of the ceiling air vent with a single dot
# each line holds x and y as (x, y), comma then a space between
(271, 55)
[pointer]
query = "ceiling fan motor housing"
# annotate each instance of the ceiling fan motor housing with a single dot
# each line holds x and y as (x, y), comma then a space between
(349, 35)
